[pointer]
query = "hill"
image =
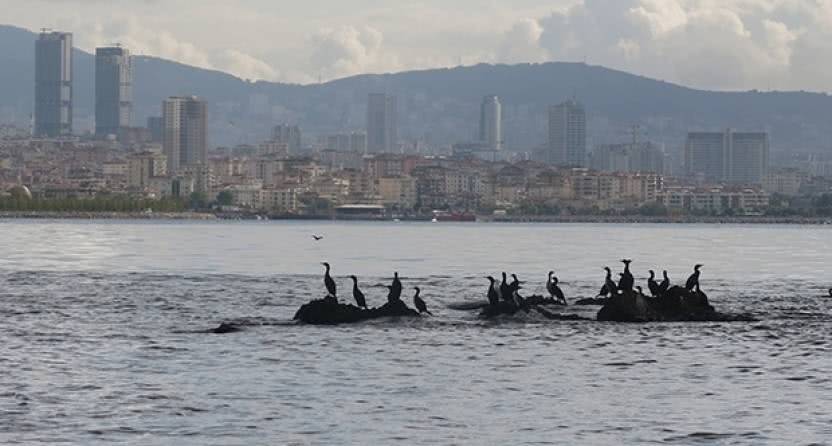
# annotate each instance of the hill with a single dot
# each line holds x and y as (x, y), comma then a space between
(440, 106)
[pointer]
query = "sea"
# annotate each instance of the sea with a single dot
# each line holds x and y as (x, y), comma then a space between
(105, 329)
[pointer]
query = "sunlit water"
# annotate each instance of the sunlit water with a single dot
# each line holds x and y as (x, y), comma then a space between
(100, 322)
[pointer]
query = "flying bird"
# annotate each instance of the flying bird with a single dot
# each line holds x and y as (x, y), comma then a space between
(317, 237)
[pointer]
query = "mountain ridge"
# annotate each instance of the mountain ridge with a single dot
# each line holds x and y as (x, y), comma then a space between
(439, 106)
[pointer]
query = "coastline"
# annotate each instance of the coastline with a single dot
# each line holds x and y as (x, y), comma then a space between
(594, 219)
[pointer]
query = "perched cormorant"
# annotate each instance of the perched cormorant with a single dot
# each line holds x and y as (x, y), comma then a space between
(357, 294)
(493, 292)
(609, 285)
(505, 289)
(549, 285)
(693, 280)
(640, 291)
(652, 285)
(419, 303)
(395, 288)
(515, 282)
(665, 285)
(627, 281)
(556, 292)
(830, 292)
(330, 284)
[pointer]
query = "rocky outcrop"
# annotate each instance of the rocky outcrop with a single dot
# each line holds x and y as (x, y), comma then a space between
(676, 305)
(330, 312)
(600, 301)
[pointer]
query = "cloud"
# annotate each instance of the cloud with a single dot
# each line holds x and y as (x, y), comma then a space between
(728, 44)
(349, 50)
(521, 43)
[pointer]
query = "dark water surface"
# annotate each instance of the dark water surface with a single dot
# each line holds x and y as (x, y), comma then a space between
(99, 321)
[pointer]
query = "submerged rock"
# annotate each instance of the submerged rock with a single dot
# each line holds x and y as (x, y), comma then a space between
(330, 312)
(677, 305)
(600, 301)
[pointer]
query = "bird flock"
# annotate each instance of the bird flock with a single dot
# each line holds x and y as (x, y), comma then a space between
(394, 293)
(626, 282)
(506, 291)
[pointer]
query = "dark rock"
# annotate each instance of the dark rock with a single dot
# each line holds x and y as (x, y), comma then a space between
(560, 317)
(330, 312)
(502, 308)
(225, 328)
(677, 305)
(540, 300)
(600, 301)
(469, 306)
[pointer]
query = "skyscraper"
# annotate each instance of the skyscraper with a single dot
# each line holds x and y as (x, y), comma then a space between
(382, 130)
(53, 84)
(185, 129)
(728, 156)
(567, 134)
(491, 123)
(113, 90)
(288, 134)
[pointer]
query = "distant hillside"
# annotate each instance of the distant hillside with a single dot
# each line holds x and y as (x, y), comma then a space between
(440, 106)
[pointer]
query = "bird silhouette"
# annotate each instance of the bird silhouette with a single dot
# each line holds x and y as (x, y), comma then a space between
(329, 283)
(317, 237)
(419, 303)
(357, 294)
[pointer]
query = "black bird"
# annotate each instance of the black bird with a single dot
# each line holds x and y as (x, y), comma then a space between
(652, 285)
(395, 288)
(317, 237)
(515, 282)
(693, 280)
(420, 304)
(609, 288)
(330, 284)
(357, 294)
(640, 291)
(493, 292)
(626, 283)
(505, 290)
(549, 285)
(830, 292)
(556, 292)
(665, 285)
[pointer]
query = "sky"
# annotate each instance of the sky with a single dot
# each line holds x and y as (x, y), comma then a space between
(712, 44)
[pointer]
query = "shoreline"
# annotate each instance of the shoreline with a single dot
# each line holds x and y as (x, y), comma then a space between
(593, 219)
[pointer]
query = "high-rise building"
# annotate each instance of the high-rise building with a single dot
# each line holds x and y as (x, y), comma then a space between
(185, 132)
(382, 125)
(156, 125)
(53, 84)
(288, 134)
(728, 156)
(631, 157)
(491, 123)
(113, 90)
(567, 134)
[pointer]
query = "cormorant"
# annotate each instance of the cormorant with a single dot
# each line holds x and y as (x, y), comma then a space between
(830, 292)
(395, 288)
(609, 285)
(505, 289)
(693, 280)
(317, 237)
(549, 285)
(515, 282)
(420, 304)
(626, 283)
(640, 291)
(493, 292)
(556, 292)
(652, 285)
(330, 284)
(665, 285)
(357, 294)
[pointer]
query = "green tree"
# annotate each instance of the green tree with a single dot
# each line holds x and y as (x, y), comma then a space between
(225, 198)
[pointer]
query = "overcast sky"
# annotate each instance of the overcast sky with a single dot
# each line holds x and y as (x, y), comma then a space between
(719, 44)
